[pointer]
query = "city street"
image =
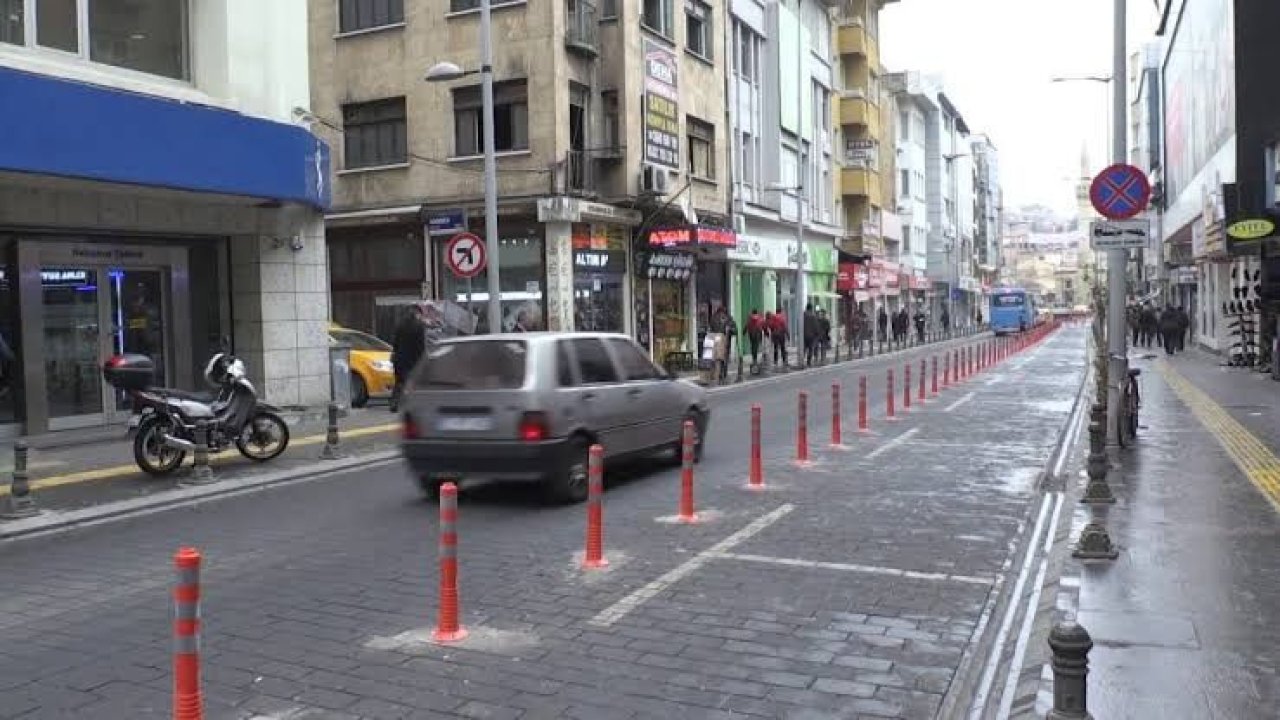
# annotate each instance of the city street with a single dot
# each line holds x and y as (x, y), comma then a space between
(852, 587)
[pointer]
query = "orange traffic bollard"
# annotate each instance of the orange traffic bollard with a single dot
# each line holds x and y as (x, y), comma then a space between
(934, 388)
(448, 629)
(906, 386)
(863, 426)
(923, 369)
(594, 555)
(890, 417)
(188, 704)
(756, 478)
(802, 429)
(837, 436)
(687, 514)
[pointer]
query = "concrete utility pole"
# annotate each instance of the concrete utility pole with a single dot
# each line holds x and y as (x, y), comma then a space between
(1117, 260)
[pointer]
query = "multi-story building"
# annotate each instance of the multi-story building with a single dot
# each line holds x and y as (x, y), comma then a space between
(156, 197)
(611, 136)
(915, 101)
(988, 209)
(781, 94)
(864, 187)
(1147, 266)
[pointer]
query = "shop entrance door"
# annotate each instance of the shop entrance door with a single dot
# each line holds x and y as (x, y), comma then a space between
(92, 313)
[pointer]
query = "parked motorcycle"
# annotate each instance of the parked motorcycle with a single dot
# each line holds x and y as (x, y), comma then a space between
(168, 419)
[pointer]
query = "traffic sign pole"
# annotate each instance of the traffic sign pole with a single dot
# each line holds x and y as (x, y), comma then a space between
(1118, 260)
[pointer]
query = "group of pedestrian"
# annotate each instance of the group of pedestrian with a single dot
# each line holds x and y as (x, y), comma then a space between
(817, 335)
(771, 326)
(1165, 327)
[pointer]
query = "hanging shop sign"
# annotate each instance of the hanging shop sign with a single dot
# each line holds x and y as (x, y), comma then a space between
(599, 261)
(664, 266)
(662, 106)
(693, 236)
(851, 276)
(1251, 229)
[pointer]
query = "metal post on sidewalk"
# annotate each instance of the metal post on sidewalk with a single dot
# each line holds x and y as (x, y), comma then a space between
(1097, 492)
(201, 473)
(1070, 645)
(21, 504)
(1117, 260)
(330, 450)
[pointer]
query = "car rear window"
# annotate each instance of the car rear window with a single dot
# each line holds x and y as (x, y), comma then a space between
(474, 365)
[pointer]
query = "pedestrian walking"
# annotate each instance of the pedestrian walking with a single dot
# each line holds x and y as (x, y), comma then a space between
(1184, 326)
(920, 321)
(727, 326)
(407, 348)
(755, 335)
(945, 320)
(882, 324)
(824, 335)
(1169, 329)
(904, 322)
(778, 333)
(809, 335)
(1150, 325)
(1133, 315)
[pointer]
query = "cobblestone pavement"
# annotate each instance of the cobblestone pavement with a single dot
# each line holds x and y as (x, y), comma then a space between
(850, 588)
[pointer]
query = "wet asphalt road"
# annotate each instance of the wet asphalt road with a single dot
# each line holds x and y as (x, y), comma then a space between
(849, 588)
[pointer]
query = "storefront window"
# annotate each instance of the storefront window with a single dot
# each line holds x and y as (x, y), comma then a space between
(374, 273)
(712, 293)
(599, 270)
(11, 385)
(665, 278)
(522, 277)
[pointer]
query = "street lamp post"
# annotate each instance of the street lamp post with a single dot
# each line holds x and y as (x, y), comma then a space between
(445, 72)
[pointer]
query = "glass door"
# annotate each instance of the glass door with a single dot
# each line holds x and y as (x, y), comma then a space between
(72, 322)
(136, 321)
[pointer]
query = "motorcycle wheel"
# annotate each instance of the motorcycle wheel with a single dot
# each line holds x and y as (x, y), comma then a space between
(150, 452)
(264, 437)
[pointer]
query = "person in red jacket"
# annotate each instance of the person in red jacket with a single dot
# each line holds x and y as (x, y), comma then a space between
(755, 334)
(778, 333)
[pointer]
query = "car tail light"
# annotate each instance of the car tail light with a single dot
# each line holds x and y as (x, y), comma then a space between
(115, 361)
(533, 427)
(409, 430)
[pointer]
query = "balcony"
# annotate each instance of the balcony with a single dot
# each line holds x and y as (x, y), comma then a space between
(856, 109)
(864, 239)
(581, 27)
(578, 173)
(860, 182)
(853, 39)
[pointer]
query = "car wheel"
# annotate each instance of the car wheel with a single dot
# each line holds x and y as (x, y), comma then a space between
(699, 429)
(569, 483)
(359, 391)
(430, 488)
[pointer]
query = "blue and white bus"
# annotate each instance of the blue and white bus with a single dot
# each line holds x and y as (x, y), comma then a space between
(1012, 310)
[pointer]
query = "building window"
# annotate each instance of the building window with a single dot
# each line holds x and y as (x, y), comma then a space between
(904, 126)
(746, 53)
(702, 148)
(510, 118)
(374, 133)
(609, 9)
(612, 117)
(906, 240)
(697, 26)
(356, 15)
(148, 36)
(905, 190)
(457, 6)
(658, 16)
(748, 160)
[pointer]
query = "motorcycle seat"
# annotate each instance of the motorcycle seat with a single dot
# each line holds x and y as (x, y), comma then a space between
(175, 394)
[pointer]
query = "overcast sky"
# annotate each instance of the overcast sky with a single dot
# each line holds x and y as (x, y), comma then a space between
(997, 58)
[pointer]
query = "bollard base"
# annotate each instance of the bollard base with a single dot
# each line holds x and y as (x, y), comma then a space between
(755, 487)
(446, 637)
(331, 452)
(200, 475)
(1098, 492)
(595, 564)
(688, 519)
(1095, 544)
(19, 509)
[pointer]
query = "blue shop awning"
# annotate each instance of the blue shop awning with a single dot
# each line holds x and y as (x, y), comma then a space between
(64, 128)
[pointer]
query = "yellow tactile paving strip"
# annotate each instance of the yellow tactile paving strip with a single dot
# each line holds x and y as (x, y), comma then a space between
(1250, 454)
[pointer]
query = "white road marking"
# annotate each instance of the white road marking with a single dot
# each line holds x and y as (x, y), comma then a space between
(619, 610)
(893, 443)
(853, 567)
(997, 650)
(1029, 620)
(958, 403)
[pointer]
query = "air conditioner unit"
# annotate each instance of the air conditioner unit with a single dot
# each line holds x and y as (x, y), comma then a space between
(654, 179)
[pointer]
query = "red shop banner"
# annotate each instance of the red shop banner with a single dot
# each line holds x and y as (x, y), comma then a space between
(851, 276)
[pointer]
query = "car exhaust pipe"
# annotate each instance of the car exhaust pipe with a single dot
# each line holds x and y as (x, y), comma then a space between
(178, 443)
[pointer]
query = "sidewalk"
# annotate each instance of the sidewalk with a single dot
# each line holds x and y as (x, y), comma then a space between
(1185, 623)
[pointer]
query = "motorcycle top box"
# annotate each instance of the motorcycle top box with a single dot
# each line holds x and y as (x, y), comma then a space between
(130, 372)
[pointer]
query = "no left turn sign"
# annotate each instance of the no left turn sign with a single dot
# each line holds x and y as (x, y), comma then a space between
(465, 255)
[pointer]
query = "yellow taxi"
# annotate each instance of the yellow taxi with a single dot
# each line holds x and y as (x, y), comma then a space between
(371, 372)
